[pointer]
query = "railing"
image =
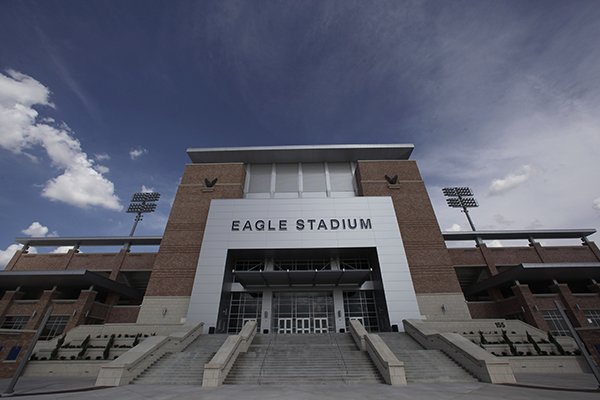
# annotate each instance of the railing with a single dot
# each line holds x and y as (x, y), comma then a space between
(262, 364)
(130, 365)
(339, 351)
(471, 357)
(390, 368)
(216, 370)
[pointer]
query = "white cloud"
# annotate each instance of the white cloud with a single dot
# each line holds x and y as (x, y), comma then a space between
(36, 230)
(81, 183)
(61, 250)
(147, 189)
(511, 181)
(596, 203)
(137, 152)
(454, 228)
(7, 255)
(101, 157)
(102, 169)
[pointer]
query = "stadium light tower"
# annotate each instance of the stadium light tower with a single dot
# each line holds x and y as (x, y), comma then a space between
(142, 203)
(461, 197)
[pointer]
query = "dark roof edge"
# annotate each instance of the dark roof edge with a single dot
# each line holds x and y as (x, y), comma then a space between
(525, 234)
(90, 241)
(301, 153)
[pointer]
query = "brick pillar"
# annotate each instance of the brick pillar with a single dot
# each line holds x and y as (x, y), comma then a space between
(69, 257)
(172, 278)
(568, 301)
(84, 303)
(527, 303)
(13, 261)
(490, 262)
(40, 308)
(539, 250)
(7, 300)
(432, 271)
(593, 248)
(118, 263)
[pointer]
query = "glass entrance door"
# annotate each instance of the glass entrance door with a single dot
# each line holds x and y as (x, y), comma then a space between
(308, 311)
(302, 325)
(285, 325)
(321, 325)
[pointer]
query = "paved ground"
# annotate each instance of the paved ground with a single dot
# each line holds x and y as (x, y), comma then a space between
(450, 391)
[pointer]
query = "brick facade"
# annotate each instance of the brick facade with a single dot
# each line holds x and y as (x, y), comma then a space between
(430, 264)
(175, 266)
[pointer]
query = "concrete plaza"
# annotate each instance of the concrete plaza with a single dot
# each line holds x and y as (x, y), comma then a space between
(438, 391)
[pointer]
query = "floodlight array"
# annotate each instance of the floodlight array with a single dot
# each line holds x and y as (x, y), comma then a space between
(141, 208)
(461, 197)
(454, 202)
(145, 197)
(469, 202)
(457, 192)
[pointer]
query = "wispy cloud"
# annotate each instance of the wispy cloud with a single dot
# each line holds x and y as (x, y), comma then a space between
(101, 157)
(511, 181)
(137, 152)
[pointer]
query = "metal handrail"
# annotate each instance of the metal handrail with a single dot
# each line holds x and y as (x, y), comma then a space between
(262, 364)
(340, 351)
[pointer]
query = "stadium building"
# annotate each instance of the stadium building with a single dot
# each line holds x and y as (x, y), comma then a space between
(269, 241)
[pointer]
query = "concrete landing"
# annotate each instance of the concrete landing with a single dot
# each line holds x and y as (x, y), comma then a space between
(437, 391)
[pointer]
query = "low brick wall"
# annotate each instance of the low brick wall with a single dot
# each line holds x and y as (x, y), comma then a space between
(8, 340)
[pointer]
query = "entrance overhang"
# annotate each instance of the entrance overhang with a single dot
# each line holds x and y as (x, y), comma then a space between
(258, 279)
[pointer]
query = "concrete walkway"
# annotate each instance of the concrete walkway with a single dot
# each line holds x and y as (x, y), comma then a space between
(448, 391)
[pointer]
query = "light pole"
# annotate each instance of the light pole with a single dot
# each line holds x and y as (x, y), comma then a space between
(142, 203)
(461, 197)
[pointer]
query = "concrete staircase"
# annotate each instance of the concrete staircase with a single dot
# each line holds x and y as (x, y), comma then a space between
(185, 367)
(308, 358)
(424, 366)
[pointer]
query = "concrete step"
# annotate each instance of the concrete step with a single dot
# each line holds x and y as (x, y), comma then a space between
(313, 359)
(186, 367)
(425, 366)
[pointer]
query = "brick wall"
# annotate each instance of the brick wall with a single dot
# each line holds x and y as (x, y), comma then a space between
(430, 264)
(175, 265)
(9, 339)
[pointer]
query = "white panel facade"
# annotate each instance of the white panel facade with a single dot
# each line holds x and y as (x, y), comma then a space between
(222, 234)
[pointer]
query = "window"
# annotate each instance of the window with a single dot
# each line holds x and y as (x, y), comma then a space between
(361, 305)
(593, 316)
(313, 177)
(14, 322)
(556, 323)
(54, 327)
(13, 353)
(244, 307)
(340, 177)
(260, 178)
(286, 178)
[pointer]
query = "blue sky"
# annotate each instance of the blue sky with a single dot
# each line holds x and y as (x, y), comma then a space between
(98, 98)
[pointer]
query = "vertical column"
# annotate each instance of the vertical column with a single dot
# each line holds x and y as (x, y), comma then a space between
(41, 307)
(7, 300)
(338, 308)
(527, 303)
(267, 315)
(82, 307)
(569, 303)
